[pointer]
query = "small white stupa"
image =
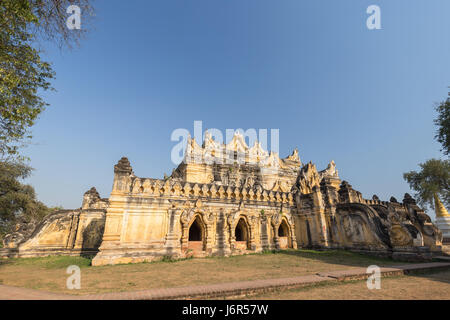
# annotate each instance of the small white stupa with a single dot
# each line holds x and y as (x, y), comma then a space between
(442, 219)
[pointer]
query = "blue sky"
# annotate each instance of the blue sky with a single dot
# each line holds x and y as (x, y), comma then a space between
(311, 69)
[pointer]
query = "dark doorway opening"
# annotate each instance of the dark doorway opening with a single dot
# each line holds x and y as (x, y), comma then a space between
(196, 236)
(195, 231)
(242, 235)
(283, 235)
(241, 232)
(282, 230)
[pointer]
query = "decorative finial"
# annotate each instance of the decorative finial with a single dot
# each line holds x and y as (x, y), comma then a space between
(123, 166)
(439, 208)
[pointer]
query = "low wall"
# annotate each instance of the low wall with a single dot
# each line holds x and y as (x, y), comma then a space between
(66, 232)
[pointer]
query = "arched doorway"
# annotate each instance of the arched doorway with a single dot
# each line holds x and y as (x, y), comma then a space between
(242, 235)
(196, 235)
(283, 235)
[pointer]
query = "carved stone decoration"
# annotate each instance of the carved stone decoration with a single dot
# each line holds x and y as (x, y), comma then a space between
(205, 191)
(399, 236)
(146, 186)
(229, 192)
(294, 156)
(271, 201)
(207, 219)
(176, 189)
(167, 188)
(123, 166)
(308, 178)
(222, 192)
(276, 219)
(92, 200)
(251, 194)
(244, 194)
(213, 190)
(249, 182)
(330, 171)
(157, 186)
(408, 199)
(196, 190)
(361, 226)
(257, 154)
(186, 189)
(22, 230)
(290, 198)
(171, 239)
(250, 222)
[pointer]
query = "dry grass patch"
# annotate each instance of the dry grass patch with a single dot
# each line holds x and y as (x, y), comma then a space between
(435, 286)
(49, 273)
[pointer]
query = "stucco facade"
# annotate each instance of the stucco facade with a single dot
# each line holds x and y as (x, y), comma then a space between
(225, 200)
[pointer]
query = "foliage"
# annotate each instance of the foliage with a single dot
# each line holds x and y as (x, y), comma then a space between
(434, 177)
(23, 74)
(52, 17)
(18, 201)
(23, 78)
(443, 123)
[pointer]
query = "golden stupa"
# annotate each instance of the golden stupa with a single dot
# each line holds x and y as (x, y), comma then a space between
(439, 207)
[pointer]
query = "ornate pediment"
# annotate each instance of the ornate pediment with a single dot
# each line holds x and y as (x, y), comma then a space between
(272, 161)
(194, 152)
(198, 203)
(256, 154)
(308, 178)
(294, 156)
(330, 171)
(213, 151)
(237, 144)
(211, 147)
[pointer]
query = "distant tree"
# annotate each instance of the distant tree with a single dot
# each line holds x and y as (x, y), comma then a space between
(23, 73)
(433, 178)
(443, 123)
(18, 201)
(24, 25)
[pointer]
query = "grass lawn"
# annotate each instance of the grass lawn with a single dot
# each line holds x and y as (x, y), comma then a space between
(49, 273)
(434, 286)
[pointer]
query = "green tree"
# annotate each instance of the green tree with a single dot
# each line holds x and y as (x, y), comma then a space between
(23, 73)
(434, 177)
(17, 201)
(24, 76)
(443, 123)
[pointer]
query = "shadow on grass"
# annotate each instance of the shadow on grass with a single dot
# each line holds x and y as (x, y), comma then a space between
(349, 258)
(50, 262)
(341, 257)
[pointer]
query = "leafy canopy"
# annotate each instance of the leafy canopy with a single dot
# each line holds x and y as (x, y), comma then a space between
(24, 76)
(17, 200)
(23, 73)
(434, 177)
(443, 123)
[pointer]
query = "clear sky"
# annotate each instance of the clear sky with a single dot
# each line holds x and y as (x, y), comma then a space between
(312, 69)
